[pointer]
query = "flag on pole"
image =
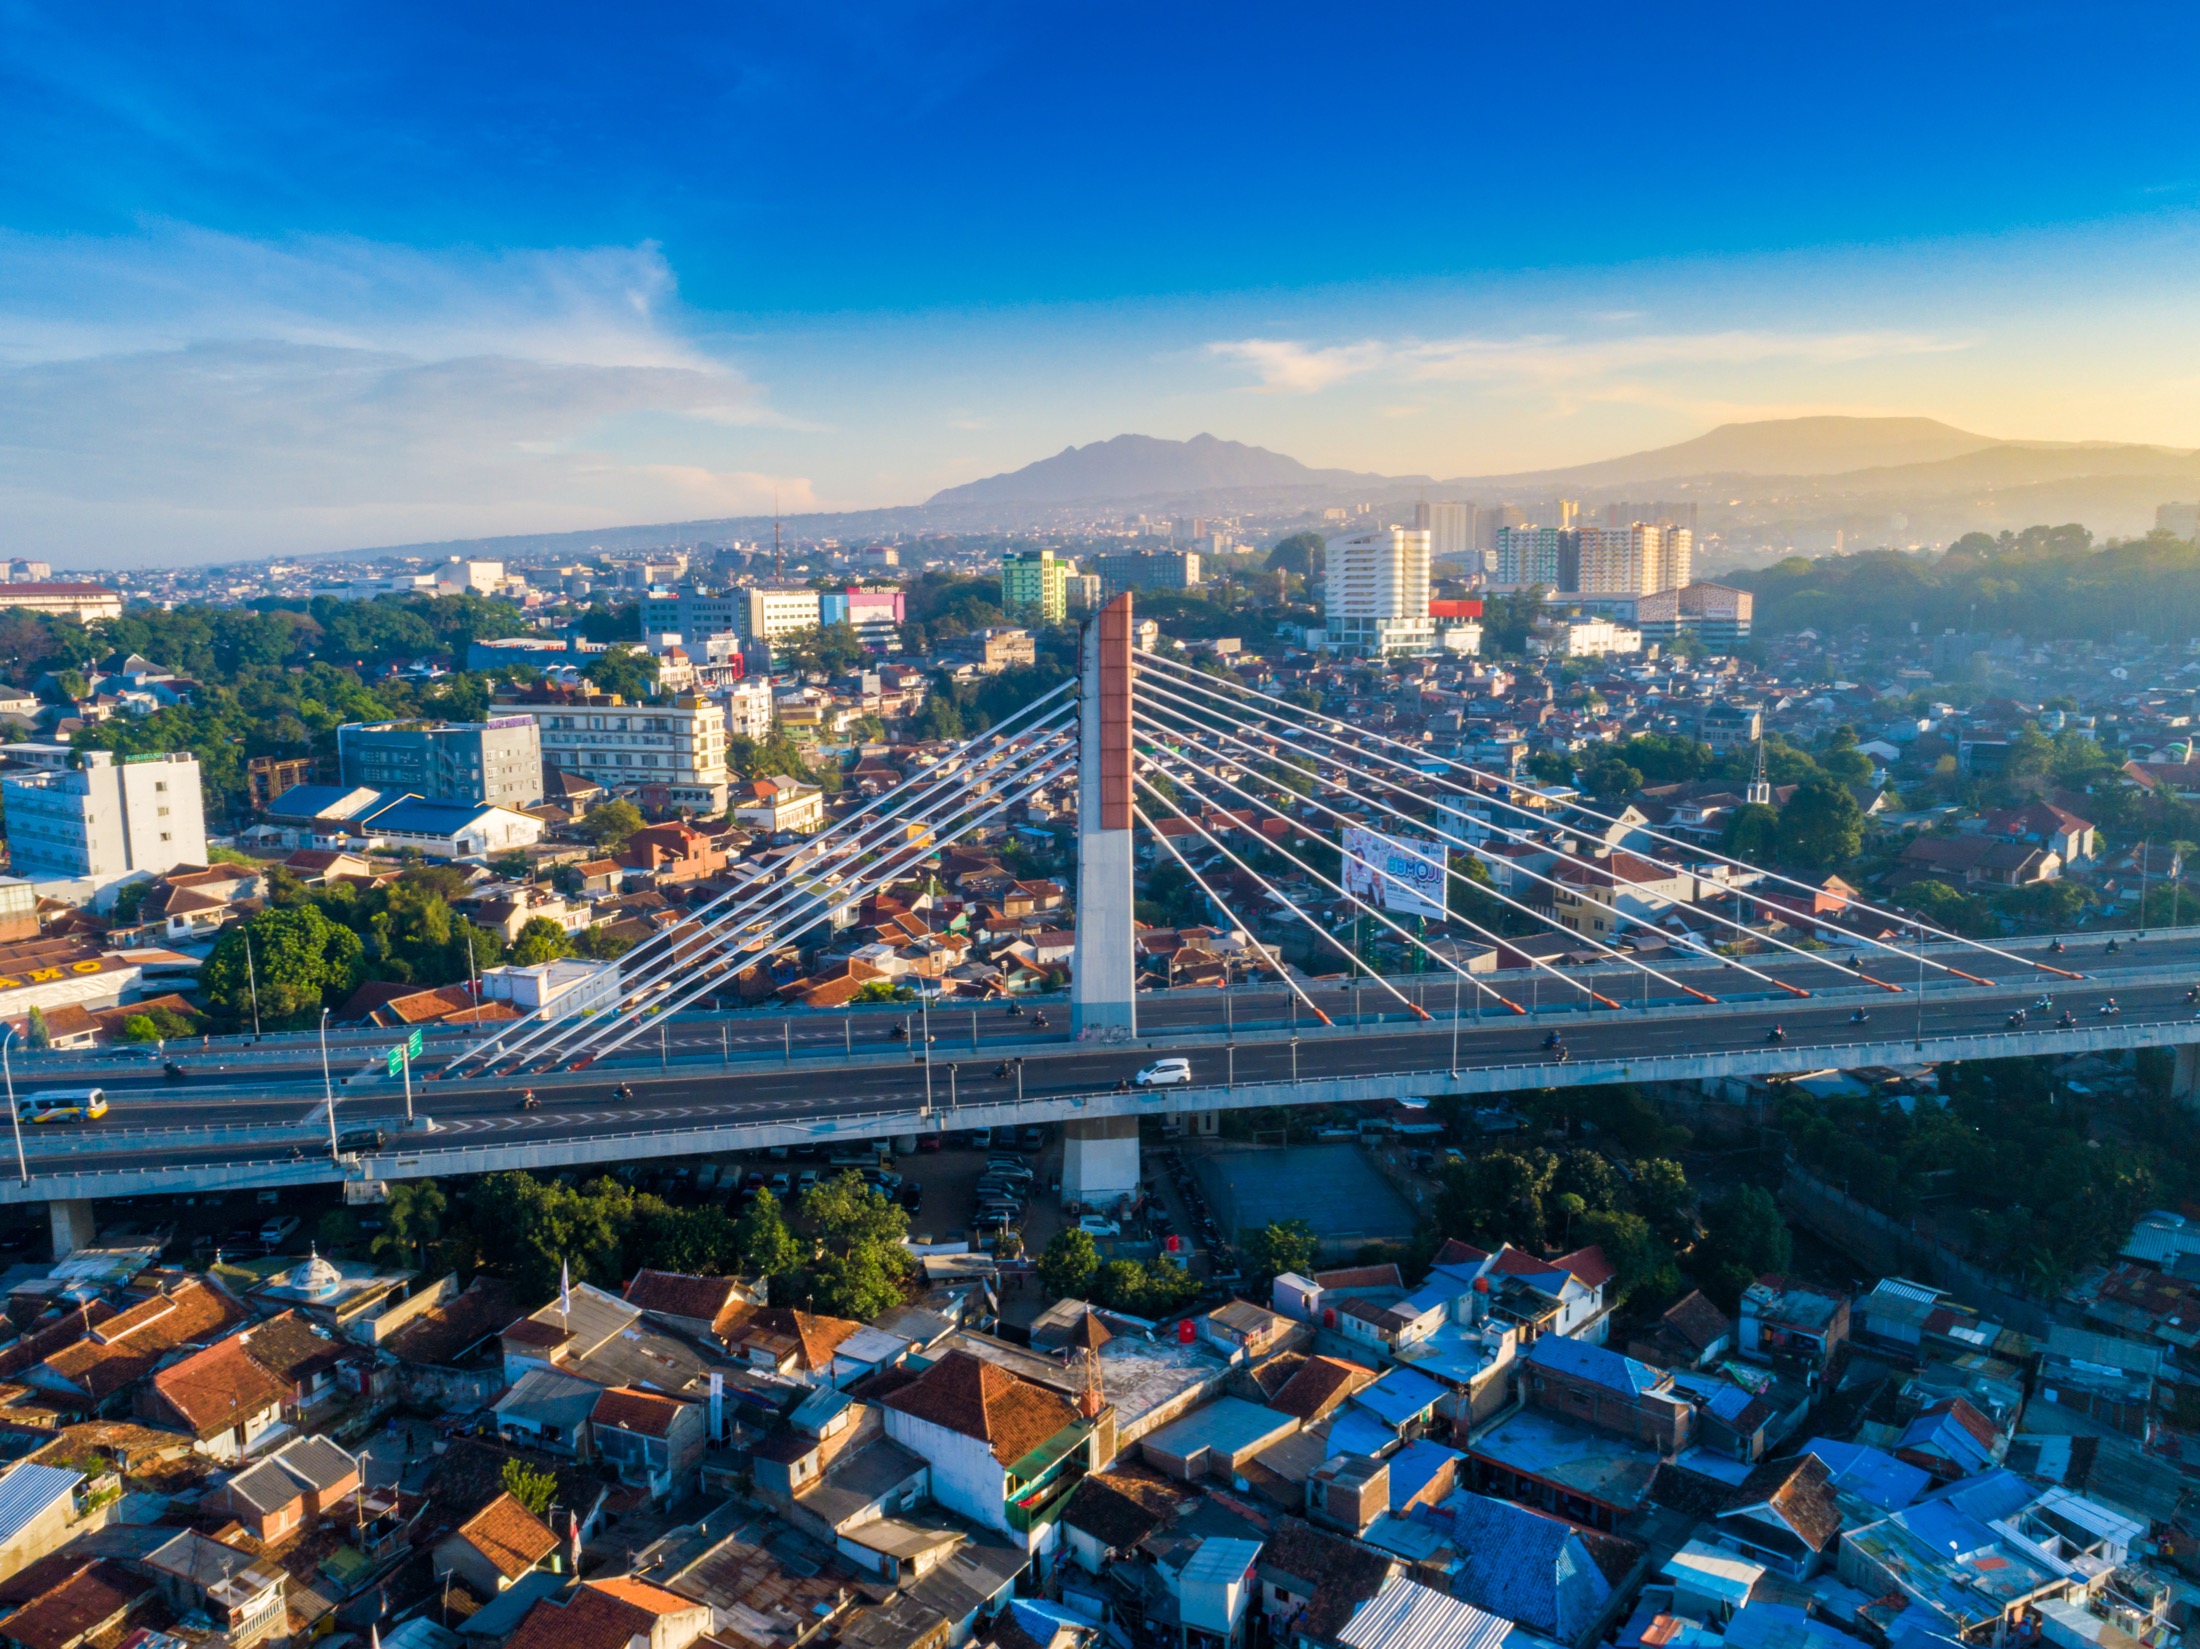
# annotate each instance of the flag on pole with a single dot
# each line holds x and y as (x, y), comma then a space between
(565, 1288)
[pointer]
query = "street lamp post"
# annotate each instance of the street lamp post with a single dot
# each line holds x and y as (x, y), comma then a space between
(15, 1117)
(252, 979)
(328, 1089)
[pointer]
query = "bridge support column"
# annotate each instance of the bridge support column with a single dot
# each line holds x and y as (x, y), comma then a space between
(73, 1225)
(1100, 1161)
(2184, 1076)
(1103, 982)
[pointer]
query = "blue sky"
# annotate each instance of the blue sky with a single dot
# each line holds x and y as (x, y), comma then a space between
(280, 279)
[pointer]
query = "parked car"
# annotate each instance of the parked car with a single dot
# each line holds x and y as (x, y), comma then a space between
(911, 1196)
(278, 1230)
(781, 1185)
(1030, 1139)
(930, 1142)
(1093, 1225)
(805, 1182)
(982, 1139)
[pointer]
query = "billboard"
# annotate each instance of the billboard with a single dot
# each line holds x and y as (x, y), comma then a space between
(1405, 875)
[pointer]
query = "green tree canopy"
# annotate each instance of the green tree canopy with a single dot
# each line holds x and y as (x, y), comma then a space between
(1301, 553)
(1068, 1263)
(1821, 826)
(300, 962)
(1284, 1245)
(858, 1261)
(609, 824)
(540, 940)
(625, 670)
(765, 1243)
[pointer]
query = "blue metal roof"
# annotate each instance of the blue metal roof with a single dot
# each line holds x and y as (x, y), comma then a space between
(1522, 1565)
(26, 1491)
(1399, 1396)
(1413, 1466)
(1354, 1432)
(1872, 1475)
(1587, 1362)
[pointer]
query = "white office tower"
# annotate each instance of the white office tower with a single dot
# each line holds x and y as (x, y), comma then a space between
(107, 818)
(1375, 593)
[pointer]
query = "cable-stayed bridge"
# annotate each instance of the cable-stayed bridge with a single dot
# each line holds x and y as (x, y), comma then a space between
(1667, 970)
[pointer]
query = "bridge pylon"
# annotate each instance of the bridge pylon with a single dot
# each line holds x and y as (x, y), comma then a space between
(1103, 983)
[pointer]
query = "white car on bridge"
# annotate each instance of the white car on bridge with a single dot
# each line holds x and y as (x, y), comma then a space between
(1164, 1073)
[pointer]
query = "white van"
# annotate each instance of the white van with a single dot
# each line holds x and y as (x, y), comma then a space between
(63, 1105)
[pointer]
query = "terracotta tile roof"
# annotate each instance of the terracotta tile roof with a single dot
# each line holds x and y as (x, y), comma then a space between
(644, 1412)
(44, 1339)
(1319, 1385)
(488, 1307)
(1342, 1573)
(510, 1536)
(1588, 1265)
(983, 1400)
(126, 1346)
(677, 1294)
(1697, 1321)
(94, 1596)
(817, 1337)
(219, 1387)
(593, 1618)
(1798, 1493)
(286, 1346)
(642, 1595)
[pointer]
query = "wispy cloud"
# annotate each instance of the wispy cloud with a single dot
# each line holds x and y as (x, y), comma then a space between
(1289, 366)
(316, 393)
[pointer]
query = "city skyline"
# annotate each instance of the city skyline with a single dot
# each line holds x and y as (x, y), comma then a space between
(487, 279)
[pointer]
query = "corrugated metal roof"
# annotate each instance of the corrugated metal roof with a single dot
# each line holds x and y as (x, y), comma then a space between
(1408, 1615)
(27, 1490)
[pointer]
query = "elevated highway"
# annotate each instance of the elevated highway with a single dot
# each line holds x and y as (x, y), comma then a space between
(736, 1082)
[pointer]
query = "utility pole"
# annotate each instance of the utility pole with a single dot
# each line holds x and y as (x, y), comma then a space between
(252, 979)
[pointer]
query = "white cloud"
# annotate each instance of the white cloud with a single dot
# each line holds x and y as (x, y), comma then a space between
(179, 395)
(1285, 365)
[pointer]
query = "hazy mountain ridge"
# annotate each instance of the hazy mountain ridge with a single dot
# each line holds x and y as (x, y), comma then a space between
(1129, 468)
(1771, 484)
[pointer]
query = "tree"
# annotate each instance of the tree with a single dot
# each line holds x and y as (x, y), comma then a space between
(140, 1028)
(1612, 778)
(625, 670)
(699, 1242)
(762, 1237)
(1821, 826)
(530, 1486)
(1627, 1242)
(541, 940)
(1744, 1238)
(1498, 1197)
(609, 824)
(1752, 833)
(413, 1219)
(1068, 1264)
(300, 961)
(1301, 553)
(34, 1028)
(1283, 1245)
(859, 1261)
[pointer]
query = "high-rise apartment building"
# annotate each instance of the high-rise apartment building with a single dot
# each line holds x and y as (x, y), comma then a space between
(1034, 586)
(1449, 525)
(1536, 555)
(679, 746)
(1638, 559)
(1147, 570)
(770, 615)
(497, 761)
(107, 818)
(1375, 593)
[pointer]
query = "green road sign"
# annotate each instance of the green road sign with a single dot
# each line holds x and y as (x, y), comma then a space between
(412, 1045)
(397, 1060)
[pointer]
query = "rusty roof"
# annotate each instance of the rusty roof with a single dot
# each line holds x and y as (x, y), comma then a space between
(510, 1536)
(983, 1400)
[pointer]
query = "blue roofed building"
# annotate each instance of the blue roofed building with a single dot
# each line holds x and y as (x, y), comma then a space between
(1523, 1566)
(1868, 1479)
(1585, 1473)
(332, 816)
(1976, 1555)
(1602, 1388)
(1402, 1400)
(1423, 1473)
(1951, 1439)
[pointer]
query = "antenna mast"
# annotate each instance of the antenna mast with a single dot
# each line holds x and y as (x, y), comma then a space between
(779, 555)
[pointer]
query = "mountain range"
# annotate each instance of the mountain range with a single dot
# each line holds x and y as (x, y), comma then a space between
(1761, 489)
